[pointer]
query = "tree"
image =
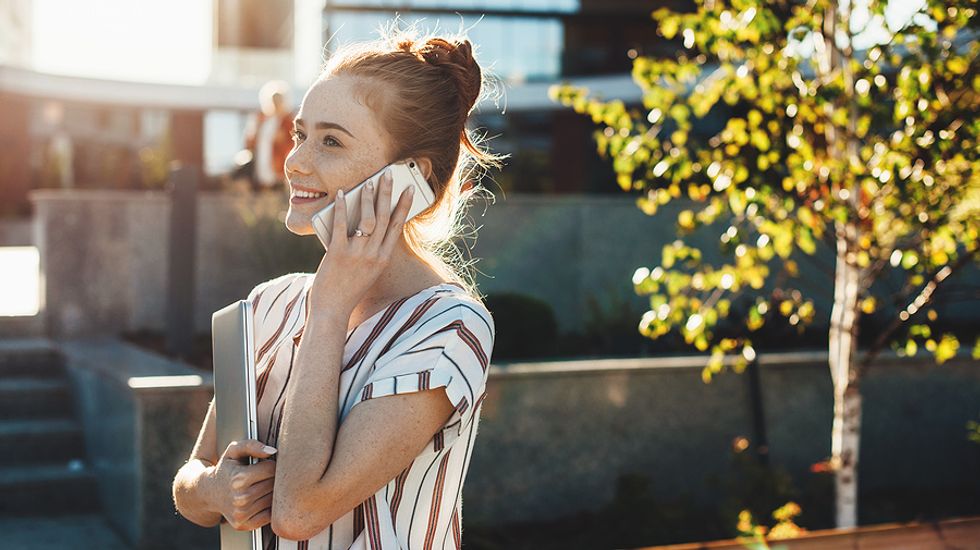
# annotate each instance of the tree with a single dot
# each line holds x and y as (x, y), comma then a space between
(842, 128)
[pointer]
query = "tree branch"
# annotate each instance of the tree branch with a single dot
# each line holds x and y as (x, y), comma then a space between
(913, 308)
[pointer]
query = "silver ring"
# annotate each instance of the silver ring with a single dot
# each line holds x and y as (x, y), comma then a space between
(359, 233)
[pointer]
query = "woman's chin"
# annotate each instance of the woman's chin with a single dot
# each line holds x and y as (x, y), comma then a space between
(298, 224)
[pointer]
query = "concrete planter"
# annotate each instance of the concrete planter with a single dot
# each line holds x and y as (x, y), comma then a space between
(556, 436)
(961, 533)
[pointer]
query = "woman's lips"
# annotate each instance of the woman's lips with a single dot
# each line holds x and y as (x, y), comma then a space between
(296, 199)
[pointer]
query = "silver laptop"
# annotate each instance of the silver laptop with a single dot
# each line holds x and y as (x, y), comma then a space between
(234, 396)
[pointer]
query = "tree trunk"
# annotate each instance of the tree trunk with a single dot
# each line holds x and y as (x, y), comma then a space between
(846, 434)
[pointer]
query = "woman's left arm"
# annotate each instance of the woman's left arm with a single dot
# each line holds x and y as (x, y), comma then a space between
(322, 472)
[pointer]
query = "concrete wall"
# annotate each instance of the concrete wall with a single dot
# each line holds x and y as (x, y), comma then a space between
(16, 232)
(555, 436)
(141, 414)
(104, 253)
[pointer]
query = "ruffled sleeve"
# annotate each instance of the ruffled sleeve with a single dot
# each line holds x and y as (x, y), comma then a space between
(450, 348)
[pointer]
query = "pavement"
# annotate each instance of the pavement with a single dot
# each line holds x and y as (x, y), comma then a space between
(81, 532)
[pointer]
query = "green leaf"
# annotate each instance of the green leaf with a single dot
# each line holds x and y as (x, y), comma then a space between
(668, 25)
(686, 219)
(909, 259)
(911, 347)
(946, 348)
(667, 256)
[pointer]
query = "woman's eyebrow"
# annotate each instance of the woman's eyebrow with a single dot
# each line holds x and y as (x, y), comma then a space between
(326, 126)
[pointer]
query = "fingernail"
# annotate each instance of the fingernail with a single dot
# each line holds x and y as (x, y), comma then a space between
(370, 186)
(411, 190)
(340, 193)
(269, 450)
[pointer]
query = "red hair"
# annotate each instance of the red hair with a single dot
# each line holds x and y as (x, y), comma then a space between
(423, 91)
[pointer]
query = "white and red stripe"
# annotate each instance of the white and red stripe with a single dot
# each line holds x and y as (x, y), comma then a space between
(438, 337)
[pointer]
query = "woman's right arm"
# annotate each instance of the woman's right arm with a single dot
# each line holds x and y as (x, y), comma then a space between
(193, 486)
(208, 487)
(214, 486)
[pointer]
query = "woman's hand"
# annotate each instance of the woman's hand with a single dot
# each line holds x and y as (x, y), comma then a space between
(243, 492)
(352, 264)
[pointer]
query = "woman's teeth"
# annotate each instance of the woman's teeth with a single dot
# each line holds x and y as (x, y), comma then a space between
(308, 195)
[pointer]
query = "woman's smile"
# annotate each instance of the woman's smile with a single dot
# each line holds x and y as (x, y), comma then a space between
(302, 195)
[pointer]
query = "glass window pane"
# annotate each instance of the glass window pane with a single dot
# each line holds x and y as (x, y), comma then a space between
(510, 47)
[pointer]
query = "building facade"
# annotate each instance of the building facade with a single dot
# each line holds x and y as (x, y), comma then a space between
(102, 133)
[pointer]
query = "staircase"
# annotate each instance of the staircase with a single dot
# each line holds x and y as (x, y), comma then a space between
(43, 471)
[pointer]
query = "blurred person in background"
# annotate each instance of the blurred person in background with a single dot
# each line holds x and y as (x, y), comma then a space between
(268, 139)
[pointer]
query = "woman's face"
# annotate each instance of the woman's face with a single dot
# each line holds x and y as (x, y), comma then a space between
(337, 143)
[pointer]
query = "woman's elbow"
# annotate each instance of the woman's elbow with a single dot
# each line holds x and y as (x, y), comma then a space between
(298, 522)
(287, 527)
(286, 522)
(285, 533)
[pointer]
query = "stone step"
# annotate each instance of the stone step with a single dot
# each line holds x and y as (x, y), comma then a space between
(85, 530)
(30, 441)
(35, 398)
(48, 489)
(33, 357)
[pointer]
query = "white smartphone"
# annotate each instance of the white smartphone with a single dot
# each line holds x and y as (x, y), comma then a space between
(404, 174)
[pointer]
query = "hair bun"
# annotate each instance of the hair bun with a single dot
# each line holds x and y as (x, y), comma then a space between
(457, 59)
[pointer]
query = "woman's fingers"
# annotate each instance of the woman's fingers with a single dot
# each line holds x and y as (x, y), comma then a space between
(260, 488)
(239, 450)
(381, 207)
(384, 205)
(259, 519)
(249, 503)
(339, 219)
(261, 503)
(397, 223)
(243, 497)
(367, 209)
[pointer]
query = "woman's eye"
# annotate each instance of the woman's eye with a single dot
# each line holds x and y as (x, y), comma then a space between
(331, 142)
(296, 135)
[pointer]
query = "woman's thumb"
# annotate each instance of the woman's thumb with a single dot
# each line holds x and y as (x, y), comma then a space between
(264, 449)
(239, 450)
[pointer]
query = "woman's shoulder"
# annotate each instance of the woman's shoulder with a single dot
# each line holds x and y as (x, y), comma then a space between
(267, 292)
(458, 305)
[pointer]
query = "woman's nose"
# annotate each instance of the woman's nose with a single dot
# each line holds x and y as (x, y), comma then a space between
(294, 163)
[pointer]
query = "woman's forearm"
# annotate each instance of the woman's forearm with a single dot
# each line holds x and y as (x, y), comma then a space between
(192, 493)
(310, 415)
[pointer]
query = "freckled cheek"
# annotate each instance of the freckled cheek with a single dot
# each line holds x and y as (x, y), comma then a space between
(366, 162)
(336, 173)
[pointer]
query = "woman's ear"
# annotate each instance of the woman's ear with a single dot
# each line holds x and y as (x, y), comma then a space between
(425, 165)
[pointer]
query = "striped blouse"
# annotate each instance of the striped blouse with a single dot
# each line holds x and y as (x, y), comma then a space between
(438, 337)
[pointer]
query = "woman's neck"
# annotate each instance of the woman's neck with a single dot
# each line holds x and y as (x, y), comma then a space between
(406, 275)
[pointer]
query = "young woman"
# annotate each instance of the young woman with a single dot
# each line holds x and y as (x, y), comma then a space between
(371, 371)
